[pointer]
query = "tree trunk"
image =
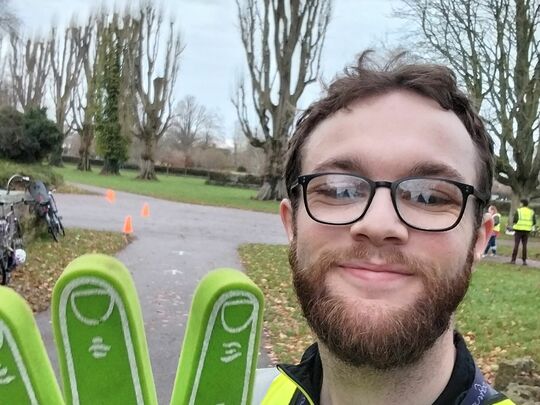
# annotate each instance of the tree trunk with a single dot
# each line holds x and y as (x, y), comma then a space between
(273, 187)
(111, 167)
(513, 207)
(84, 160)
(147, 156)
(86, 135)
(55, 159)
(84, 150)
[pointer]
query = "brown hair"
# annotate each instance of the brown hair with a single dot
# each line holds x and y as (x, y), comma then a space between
(368, 79)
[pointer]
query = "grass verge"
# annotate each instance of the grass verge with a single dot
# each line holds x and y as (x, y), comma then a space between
(186, 189)
(35, 171)
(499, 317)
(47, 259)
(71, 189)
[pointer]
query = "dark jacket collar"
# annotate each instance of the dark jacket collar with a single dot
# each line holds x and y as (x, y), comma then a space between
(308, 375)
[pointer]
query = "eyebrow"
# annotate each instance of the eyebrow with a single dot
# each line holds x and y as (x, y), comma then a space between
(348, 164)
(353, 164)
(436, 169)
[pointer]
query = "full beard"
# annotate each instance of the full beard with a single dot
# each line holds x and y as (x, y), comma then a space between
(382, 338)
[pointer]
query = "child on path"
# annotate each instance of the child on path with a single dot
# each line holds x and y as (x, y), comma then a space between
(492, 243)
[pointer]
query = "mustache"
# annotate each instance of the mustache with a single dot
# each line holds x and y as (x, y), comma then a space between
(329, 259)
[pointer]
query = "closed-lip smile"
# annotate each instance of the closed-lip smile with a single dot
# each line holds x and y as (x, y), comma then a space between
(375, 272)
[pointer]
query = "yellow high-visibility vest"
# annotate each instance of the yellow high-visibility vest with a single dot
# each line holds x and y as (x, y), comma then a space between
(497, 228)
(283, 388)
(281, 391)
(525, 219)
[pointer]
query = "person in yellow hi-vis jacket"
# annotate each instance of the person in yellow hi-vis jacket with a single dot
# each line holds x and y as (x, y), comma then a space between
(524, 222)
(492, 242)
(388, 176)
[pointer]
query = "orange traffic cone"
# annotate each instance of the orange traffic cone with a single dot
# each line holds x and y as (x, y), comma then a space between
(128, 225)
(110, 196)
(145, 211)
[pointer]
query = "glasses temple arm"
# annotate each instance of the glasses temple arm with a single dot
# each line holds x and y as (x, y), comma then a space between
(482, 197)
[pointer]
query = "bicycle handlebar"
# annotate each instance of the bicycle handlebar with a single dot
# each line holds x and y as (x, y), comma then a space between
(25, 179)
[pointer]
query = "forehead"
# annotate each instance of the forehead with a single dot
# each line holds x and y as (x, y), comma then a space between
(391, 136)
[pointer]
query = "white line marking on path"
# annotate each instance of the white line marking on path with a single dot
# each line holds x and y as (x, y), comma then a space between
(174, 272)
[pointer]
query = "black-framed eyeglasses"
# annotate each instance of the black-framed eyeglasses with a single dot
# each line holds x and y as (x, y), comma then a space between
(423, 203)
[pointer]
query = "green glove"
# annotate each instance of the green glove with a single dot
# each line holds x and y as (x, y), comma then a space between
(26, 375)
(99, 334)
(221, 344)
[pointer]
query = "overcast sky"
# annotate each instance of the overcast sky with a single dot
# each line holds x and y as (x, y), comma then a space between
(214, 58)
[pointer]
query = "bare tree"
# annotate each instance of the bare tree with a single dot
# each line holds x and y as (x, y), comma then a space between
(494, 47)
(238, 143)
(188, 123)
(83, 104)
(211, 133)
(6, 89)
(29, 64)
(283, 41)
(244, 155)
(65, 60)
(153, 77)
(193, 124)
(8, 20)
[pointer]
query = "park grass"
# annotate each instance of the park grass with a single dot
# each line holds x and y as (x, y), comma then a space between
(499, 317)
(46, 260)
(533, 249)
(185, 189)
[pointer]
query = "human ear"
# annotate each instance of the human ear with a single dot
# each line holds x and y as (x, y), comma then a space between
(286, 214)
(484, 232)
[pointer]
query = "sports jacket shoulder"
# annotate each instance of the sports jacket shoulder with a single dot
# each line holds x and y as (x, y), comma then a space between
(300, 385)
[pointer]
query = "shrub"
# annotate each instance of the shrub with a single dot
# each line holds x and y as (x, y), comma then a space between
(28, 137)
(11, 132)
(233, 180)
(219, 178)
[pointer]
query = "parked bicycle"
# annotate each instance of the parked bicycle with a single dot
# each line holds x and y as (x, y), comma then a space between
(43, 202)
(12, 253)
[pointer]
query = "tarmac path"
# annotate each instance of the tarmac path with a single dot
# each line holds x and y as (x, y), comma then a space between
(173, 249)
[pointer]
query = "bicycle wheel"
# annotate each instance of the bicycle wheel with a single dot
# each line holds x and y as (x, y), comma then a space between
(54, 209)
(17, 236)
(60, 226)
(4, 269)
(52, 225)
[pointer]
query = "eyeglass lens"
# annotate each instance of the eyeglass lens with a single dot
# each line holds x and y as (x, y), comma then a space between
(423, 203)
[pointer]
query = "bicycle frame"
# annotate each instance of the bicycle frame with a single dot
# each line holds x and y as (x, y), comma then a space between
(42, 202)
(8, 242)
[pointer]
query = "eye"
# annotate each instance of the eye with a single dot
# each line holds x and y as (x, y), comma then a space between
(334, 189)
(429, 193)
(346, 192)
(431, 197)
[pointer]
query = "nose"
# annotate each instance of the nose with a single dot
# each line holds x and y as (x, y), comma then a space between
(380, 224)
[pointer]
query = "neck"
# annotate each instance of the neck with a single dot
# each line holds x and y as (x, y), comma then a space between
(418, 384)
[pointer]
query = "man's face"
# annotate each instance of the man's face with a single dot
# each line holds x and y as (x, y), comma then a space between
(379, 293)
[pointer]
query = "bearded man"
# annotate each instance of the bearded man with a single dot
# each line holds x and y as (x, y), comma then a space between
(387, 176)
